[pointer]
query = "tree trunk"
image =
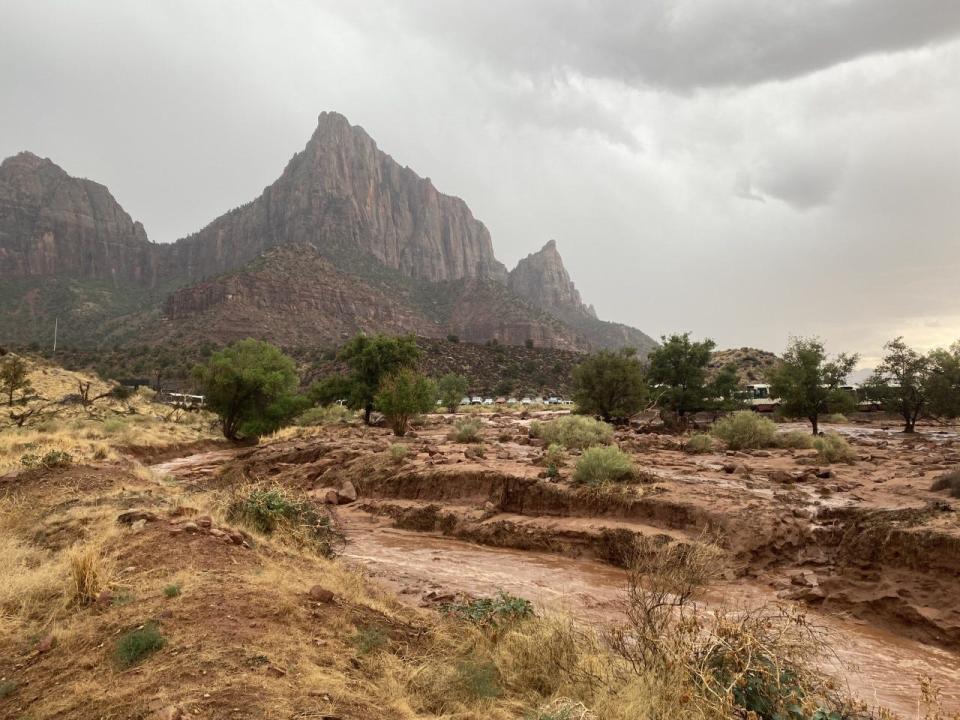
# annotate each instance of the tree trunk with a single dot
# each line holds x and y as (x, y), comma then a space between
(909, 426)
(815, 422)
(366, 414)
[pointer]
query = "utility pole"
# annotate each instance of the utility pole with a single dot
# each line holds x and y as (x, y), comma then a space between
(56, 323)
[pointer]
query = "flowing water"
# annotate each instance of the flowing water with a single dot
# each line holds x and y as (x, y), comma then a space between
(882, 668)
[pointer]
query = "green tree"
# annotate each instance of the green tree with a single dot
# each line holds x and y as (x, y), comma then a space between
(451, 388)
(402, 395)
(808, 384)
(723, 392)
(678, 371)
(943, 383)
(252, 386)
(13, 377)
(371, 359)
(611, 384)
(901, 382)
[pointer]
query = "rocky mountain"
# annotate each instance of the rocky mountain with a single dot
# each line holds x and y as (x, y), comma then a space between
(752, 364)
(54, 224)
(345, 240)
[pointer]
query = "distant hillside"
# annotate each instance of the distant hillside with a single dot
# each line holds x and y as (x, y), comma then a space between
(752, 364)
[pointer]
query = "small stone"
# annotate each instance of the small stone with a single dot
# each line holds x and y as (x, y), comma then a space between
(729, 468)
(171, 712)
(204, 521)
(347, 493)
(45, 644)
(190, 527)
(104, 598)
(275, 671)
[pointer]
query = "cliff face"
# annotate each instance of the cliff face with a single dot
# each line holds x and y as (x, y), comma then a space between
(54, 224)
(542, 279)
(343, 193)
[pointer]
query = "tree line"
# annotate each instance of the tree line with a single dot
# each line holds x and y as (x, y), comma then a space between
(254, 387)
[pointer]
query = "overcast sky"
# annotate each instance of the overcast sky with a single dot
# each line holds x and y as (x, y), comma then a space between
(744, 169)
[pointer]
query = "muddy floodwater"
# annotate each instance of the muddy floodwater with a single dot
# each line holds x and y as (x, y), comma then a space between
(880, 667)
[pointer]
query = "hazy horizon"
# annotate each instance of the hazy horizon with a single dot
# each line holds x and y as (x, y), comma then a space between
(742, 171)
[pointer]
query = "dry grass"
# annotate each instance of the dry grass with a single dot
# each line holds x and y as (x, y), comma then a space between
(88, 573)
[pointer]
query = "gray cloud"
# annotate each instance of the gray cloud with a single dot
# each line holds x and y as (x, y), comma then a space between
(746, 170)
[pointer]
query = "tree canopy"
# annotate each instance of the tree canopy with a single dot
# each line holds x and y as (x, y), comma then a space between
(371, 359)
(402, 395)
(901, 382)
(252, 386)
(451, 388)
(678, 371)
(808, 383)
(943, 383)
(611, 384)
(13, 377)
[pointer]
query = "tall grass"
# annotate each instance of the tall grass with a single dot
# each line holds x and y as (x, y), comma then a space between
(574, 432)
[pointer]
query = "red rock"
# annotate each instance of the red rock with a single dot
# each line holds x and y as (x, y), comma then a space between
(46, 643)
(318, 593)
(346, 494)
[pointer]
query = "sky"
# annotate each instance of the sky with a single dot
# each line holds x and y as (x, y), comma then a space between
(745, 170)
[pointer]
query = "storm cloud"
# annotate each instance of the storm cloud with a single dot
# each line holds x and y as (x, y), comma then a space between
(743, 169)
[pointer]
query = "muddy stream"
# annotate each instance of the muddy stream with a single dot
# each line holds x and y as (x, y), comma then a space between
(880, 667)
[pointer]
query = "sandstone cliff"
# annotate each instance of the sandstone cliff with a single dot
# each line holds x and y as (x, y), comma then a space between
(342, 193)
(55, 224)
(543, 280)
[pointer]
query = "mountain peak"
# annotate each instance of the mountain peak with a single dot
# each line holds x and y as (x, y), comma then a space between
(542, 278)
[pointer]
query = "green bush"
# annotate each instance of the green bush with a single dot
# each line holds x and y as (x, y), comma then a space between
(325, 415)
(600, 465)
(794, 440)
(272, 510)
(492, 610)
(171, 591)
(744, 429)
(402, 395)
(134, 646)
(114, 425)
(466, 431)
(369, 639)
(832, 448)
(398, 452)
(574, 432)
(949, 482)
(52, 459)
(699, 443)
(554, 455)
(836, 419)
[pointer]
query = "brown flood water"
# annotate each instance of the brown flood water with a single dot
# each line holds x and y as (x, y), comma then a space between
(880, 667)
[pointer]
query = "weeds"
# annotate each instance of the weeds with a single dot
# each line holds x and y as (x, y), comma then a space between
(555, 456)
(88, 574)
(480, 680)
(325, 415)
(949, 482)
(833, 448)
(466, 430)
(369, 639)
(273, 512)
(600, 465)
(136, 645)
(574, 432)
(398, 452)
(49, 460)
(492, 611)
(794, 440)
(7, 687)
(171, 591)
(744, 430)
(699, 443)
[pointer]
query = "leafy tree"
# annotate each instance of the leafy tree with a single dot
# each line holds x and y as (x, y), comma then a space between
(451, 388)
(943, 383)
(371, 359)
(723, 391)
(252, 386)
(13, 377)
(901, 382)
(808, 384)
(678, 370)
(402, 395)
(330, 389)
(610, 383)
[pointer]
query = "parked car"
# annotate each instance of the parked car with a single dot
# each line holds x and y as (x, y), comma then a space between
(476, 400)
(500, 401)
(488, 401)
(465, 401)
(526, 401)
(553, 400)
(512, 401)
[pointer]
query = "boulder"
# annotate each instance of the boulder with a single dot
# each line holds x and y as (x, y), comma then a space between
(318, 593)
(346, 494)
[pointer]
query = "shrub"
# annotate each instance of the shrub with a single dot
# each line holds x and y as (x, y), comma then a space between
(402, 395)
(7, 687)
(699, 443)
(136, 645)
(836, 418)
(554, 455)
(398, 452)
(480, 680)
(52, 459)
(271, 510)
(325, 415)
(492, 610)
(171, 591)
(610, 384)
(949, 482)
(114, 425)
(574, 432)
(451, 388)
(744, 429)
(466, 431)
(600, 465)
(369, 639)
(833, 448)
(88, 574)
(793, 439)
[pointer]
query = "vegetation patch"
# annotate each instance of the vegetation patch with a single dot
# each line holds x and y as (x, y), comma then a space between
(793, 440)
(325, 415)
(171, 591)
(950, 482)
(398, 452)
(272, 511)
(491, 611)
(833, 448)
(574, 432)
(49, 460)
(600, 465)
(699, 443)
(370, 639)
(135, 646)
(745, 430)
(466, 430)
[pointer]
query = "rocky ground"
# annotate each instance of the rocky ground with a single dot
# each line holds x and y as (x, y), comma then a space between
(257, 628)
